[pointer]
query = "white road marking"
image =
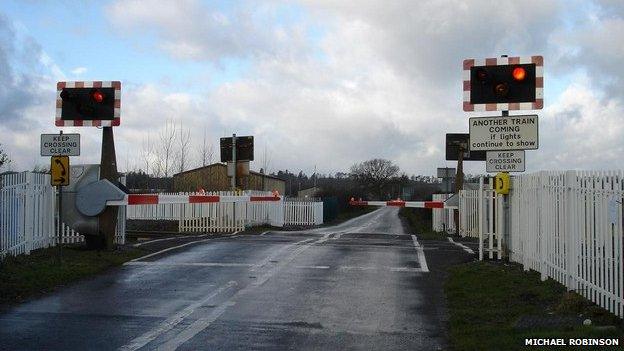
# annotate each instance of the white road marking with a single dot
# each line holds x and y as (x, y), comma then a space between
(407, 269)
(466, 248)
(421, 255)
(165, 250)
(195, 328)
(165, 239)
(233, 235)
(182, 264)
(202, 324)
(264, 233)
(172, 321)
(312, 267)
(356, 268)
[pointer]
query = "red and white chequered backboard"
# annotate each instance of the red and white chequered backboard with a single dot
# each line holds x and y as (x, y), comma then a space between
(88, 123)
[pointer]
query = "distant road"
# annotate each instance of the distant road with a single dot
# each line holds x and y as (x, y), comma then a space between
(364, 284)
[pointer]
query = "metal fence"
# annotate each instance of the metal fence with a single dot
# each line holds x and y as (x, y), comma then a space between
(568, 226)
(28, 215)
(442, 220)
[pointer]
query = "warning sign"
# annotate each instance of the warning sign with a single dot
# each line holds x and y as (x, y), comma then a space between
(59, 170)
(505, 161)
(504, 133)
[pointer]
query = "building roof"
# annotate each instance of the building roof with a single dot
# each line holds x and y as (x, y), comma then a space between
(218, 164)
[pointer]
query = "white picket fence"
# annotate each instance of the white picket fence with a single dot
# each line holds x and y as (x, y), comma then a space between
(303, 213)
(442, 220)
(28, 215)
(568, 226)
(228, 217)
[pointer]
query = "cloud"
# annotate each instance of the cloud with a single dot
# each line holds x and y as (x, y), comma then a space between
(387, 80)
(192, 30)
(20, 81)
(331, 83)
(79, 71)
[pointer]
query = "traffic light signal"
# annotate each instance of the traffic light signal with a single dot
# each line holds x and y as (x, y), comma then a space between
(88, 103)
(507, 83)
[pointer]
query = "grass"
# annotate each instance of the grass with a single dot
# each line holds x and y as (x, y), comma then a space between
(484, 316)
(419, 224)
(26, 276)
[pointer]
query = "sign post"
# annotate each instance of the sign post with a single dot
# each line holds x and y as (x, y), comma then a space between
(59, 176)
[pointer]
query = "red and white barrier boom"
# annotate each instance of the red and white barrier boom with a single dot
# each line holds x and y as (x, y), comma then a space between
(401, 203)
(155, 199)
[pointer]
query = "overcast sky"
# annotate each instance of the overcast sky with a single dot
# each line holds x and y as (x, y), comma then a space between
(325, 83)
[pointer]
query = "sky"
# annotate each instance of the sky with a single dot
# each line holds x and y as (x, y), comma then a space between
(318, 83)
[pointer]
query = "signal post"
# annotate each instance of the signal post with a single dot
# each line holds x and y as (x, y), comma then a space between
(503, 84)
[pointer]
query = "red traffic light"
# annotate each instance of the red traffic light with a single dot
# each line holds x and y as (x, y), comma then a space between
(518, 73)
(97, 96)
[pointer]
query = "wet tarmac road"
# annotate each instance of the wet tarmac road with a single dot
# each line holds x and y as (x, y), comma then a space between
(365, 284)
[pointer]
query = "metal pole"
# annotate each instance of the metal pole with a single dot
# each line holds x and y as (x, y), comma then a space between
(234, 177)
(61, 226)
(480, 218)
(234, 162)
(60, 218)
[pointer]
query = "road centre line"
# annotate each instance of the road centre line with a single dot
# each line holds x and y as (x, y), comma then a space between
(175, 247)
(172, 321)
(201, 324)
(421, 255)
(165, 239)
(181, 264)
(466, 248)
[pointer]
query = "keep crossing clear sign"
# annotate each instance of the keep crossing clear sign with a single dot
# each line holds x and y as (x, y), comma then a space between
(505, 161)
(60, 144)
(504, 133)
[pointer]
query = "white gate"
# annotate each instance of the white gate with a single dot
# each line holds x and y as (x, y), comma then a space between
(443, 220)
(481, 215)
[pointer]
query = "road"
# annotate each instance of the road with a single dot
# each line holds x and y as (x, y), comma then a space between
(364, 284)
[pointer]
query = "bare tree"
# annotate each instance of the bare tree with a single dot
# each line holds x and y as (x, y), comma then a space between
(146, 154)
(266, 160)
(4, 158)
(167, 138)
(375, 174)
(184, 141)
(206, 152)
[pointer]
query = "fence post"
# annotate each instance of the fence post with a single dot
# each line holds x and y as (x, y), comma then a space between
(28, 212)
(542, 233)
(571, 238)
(481, 214)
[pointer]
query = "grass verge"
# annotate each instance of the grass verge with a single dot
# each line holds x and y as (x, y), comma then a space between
(419, 222)
(25, 276)
(515, 305)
